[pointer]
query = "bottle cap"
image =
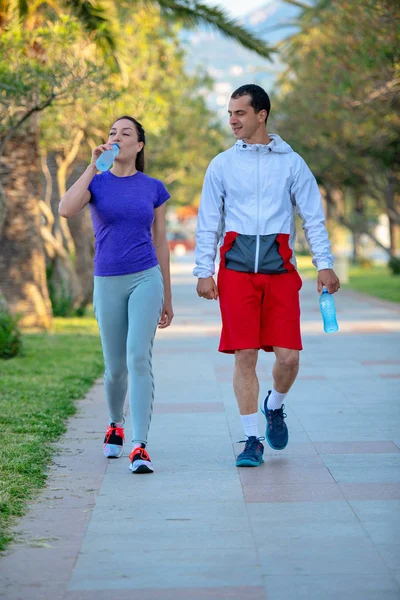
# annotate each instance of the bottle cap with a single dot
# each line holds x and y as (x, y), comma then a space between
(115, 144)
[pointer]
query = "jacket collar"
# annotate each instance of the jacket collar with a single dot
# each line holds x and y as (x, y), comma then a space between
(242, 145)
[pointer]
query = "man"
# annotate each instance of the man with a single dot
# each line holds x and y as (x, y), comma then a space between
(250, 196)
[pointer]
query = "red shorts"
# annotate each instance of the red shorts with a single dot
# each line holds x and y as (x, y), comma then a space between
(259, 311)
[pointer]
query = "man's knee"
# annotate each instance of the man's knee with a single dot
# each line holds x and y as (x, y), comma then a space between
(288, 359)
(246, 360)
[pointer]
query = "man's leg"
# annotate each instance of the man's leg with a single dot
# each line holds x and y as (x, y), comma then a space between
(284, 372)
(245, 381)
(245, 384)
(240, 303)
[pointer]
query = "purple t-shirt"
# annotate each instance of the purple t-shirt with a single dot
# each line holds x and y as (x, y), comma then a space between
(122, 210)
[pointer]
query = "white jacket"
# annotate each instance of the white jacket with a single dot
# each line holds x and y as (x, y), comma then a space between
(254, 191)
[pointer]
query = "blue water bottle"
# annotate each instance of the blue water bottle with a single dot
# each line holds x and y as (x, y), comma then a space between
(106, 158)
(328, 311)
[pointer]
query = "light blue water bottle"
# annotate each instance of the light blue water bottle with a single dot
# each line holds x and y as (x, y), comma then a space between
(106, 158)
(328, 311)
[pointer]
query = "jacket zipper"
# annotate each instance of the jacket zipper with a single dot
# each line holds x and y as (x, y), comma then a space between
(258, 211)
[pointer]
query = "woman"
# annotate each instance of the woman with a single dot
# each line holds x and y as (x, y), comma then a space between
(132, 287)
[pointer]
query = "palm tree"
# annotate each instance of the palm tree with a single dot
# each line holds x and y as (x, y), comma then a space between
(22, 255)
(93, 17)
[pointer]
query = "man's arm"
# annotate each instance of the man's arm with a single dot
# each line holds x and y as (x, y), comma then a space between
(308, 201)
(208, 230)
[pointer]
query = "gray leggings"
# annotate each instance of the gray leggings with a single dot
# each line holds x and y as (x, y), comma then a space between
(127, 309)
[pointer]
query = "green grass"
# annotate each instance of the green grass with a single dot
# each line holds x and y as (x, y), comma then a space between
(376, 280)
(37, 394)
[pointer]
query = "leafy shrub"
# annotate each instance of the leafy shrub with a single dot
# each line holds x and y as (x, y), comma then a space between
(10, 335)
(61, 301)
(394, 265)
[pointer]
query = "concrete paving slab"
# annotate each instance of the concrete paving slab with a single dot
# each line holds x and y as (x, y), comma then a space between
(303, 555)
(192, 593)
(317, 520)
(390, 555)
(331, 587)
(383, 468)
(202, 567)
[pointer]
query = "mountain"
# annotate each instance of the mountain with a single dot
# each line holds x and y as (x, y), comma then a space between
(229, 64)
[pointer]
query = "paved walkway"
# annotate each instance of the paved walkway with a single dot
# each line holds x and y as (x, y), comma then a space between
(319, 520)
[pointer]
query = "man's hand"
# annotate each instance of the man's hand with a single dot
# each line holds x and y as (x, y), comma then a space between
(207, 288)
(329, 279)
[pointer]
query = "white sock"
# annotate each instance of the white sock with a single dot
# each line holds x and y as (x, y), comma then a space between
(250, 425)
(275, 400)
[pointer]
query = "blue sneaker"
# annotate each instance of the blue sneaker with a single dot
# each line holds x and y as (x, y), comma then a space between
(277, 432)
(252, 455)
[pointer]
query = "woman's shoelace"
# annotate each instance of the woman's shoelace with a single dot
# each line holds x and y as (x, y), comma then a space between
(142, 452)
(118, 431)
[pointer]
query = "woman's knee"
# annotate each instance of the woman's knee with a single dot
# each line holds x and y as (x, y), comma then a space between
(115, 374)
(139, 362)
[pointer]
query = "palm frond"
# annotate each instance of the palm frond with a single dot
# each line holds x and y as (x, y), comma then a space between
(23, 8)
(93, 18)
(278, 26)
(299, 4)
(192, 13)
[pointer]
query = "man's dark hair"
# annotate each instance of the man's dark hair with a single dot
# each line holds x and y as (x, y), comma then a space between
(141, 138)
(259, 97)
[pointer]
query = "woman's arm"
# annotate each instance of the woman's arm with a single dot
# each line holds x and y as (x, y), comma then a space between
(162, 251)
(78, 195)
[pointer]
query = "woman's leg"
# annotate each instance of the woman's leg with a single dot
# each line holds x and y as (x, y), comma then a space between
(111, 309)
(144, 309)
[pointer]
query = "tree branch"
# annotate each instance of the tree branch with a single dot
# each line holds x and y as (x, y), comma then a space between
(27, 115)
(389, 87)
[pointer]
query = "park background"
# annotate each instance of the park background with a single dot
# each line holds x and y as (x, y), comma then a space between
(68, 68)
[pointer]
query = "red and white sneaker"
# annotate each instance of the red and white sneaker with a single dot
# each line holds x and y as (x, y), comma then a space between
(139, 460)
(114, 441)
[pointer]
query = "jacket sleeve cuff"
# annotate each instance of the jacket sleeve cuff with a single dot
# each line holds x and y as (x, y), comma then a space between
(202, 273)
(325, 264)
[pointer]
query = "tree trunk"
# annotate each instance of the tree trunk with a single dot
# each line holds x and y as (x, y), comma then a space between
(391, 210)
(363, 227)
(64, 285)
(3, 198)
(81, 230)
(356, 246)
(22, 259)
(360, 218)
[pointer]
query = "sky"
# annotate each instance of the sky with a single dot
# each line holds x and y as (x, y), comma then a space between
(237, 8)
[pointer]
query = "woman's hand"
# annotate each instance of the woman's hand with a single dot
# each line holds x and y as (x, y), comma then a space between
(99, 150)
(167, 314)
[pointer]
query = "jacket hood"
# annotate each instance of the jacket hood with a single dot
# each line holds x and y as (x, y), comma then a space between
(276, 145)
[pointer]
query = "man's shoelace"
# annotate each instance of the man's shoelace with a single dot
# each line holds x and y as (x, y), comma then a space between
(118, 431)
(251, 445)
(277, 417)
